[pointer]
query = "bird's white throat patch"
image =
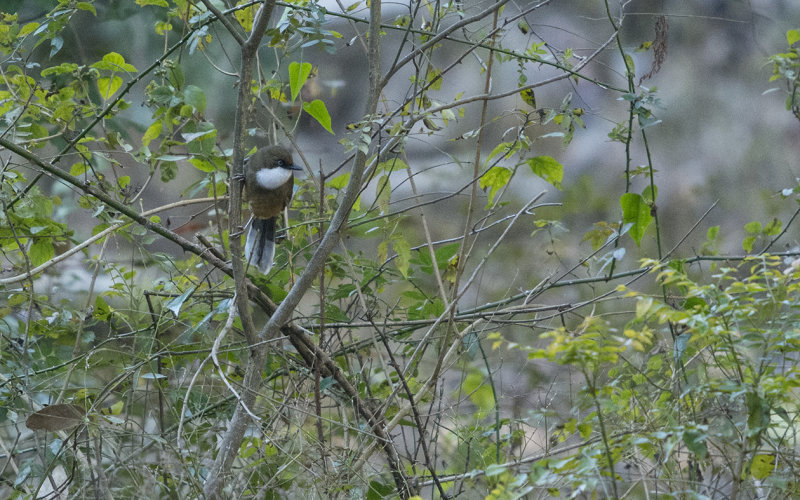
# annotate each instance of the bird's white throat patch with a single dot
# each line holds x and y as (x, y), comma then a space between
(272, 178)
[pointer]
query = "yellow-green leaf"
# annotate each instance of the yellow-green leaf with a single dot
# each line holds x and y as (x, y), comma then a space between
(116, 408)
(478, 391)
(792, 37)
(246, 16)
(635, 211)
(762, 466)
(391, 165)
(298, 74)
(340, 181)
(495, 179)
(403, 250)
(202, 164)
(528, 97)
(383, 251)
(434, 78)
(383, 194)
(506, 148)
(108, 86)
(87, 6)
(27, 29)
(548, 169)
(114, 61)
(319, 112)
(78, 169)
(41, 251)
(102, 310)
(152, 132)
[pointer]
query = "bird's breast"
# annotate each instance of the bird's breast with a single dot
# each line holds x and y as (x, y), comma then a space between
(272, 178)
(266, 203)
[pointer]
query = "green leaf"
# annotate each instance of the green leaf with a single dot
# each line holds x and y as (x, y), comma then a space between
(158, 3)
(175, 76)
(175, 304)
(378, 490)
(635, 211)
(60, 69)
(711, 234)
(78, 169)
(630, 64)
(108, 86)
(757, 413)
(648, 194)
(792, 37)
(340, 181)
(101, 309)
(319, 112)
(191, 136)
(195, 97)
(27, 29)
(495, 179)
(390, 165)
(171, 157)
(495, 469)
(548, 169)
(298, 74)
(124, 181)
(753, 227)
(203, 165)
(773, 227)
(87, 6)
(478, 391)
(162, 94)
(506, 148)
(696, 443)
(41, 251)
(747, 243)
(169, 170)
(55, 45)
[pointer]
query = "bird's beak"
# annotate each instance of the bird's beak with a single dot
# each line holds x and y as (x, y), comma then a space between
(294, 167)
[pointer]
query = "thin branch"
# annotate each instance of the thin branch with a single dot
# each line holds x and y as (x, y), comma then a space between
(440, 36)
(221, 17)
(232, 439)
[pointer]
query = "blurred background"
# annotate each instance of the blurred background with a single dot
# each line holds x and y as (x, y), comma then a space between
(724, 133)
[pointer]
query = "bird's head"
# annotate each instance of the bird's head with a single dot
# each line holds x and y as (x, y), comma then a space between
(270, 167)
(276, 157)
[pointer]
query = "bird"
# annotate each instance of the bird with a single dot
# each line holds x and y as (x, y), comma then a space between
(268, 184)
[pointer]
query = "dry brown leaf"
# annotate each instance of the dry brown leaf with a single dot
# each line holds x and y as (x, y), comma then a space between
(56, 418)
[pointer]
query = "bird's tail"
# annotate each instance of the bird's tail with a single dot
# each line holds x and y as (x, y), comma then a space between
(260, 245)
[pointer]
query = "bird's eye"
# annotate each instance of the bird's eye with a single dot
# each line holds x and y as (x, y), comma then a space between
(280, 163)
